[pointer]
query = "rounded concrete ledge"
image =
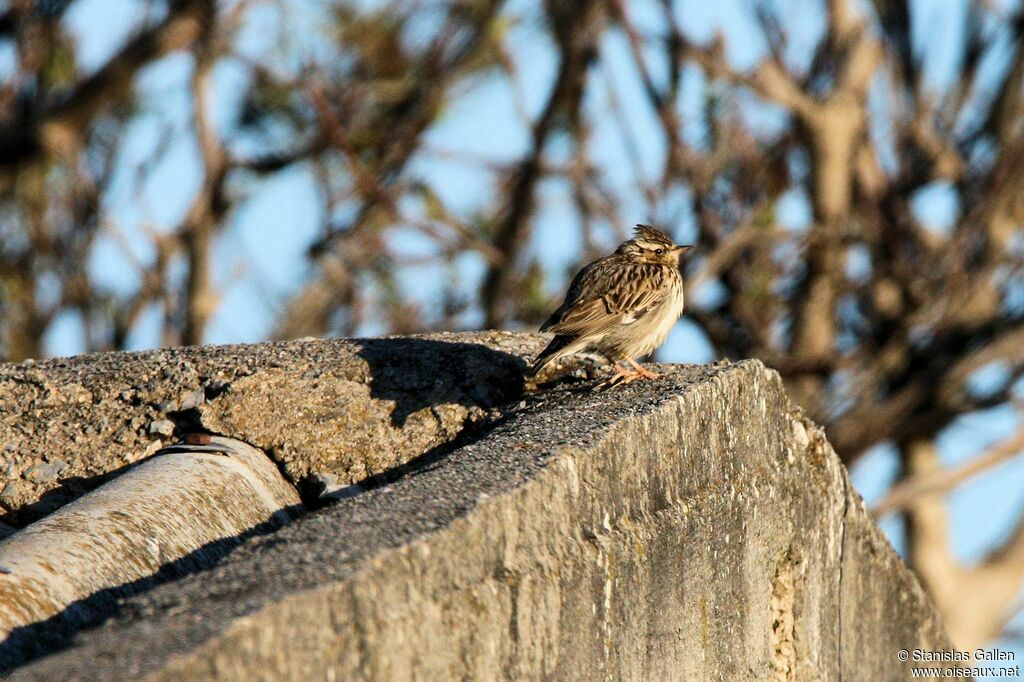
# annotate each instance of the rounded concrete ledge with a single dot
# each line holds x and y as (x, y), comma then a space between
(172, 514)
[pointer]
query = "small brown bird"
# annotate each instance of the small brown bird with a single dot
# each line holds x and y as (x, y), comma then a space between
(621, 306)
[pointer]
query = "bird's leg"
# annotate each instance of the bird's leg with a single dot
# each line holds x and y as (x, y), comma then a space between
(621, 376)
(641, 372)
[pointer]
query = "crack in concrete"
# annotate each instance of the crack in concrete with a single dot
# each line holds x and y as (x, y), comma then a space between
(844, 487)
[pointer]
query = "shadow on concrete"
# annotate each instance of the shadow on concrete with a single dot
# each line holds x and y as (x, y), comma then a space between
(528, 397)
(69, 490)
(433, 457)
(421, 373)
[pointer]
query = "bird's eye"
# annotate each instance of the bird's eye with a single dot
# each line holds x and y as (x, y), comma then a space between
(659, 251)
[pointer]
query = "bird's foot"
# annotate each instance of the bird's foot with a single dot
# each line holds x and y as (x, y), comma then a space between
(641, 371)
(621, 376)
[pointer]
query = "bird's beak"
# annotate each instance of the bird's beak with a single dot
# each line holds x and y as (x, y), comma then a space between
(684, 248)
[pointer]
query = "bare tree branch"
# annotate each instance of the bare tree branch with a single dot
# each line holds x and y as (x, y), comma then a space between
(55, 127)
(942, 481)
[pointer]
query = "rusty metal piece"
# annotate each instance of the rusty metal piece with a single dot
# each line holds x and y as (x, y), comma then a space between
(197, 438)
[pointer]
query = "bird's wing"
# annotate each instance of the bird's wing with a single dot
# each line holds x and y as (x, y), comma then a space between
(601, 298)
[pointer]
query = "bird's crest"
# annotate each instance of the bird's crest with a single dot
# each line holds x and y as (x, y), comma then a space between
(646, 235)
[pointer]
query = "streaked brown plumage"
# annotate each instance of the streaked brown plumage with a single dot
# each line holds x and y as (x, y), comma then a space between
(621, 306)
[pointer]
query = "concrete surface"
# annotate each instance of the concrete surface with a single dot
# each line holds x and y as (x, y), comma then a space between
(353, 408)
(694, 528)
(172, 513)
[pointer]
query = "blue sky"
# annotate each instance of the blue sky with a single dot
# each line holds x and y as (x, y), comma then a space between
(261, 257)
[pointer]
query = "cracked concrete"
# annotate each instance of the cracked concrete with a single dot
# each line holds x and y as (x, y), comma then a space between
(696, 527)
(339, 409)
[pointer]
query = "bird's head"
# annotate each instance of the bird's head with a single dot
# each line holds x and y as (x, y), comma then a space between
(650, 245)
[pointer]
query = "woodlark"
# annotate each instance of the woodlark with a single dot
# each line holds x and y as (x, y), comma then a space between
(621, 306)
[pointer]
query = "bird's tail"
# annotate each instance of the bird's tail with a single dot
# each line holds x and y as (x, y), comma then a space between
(550, 354)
